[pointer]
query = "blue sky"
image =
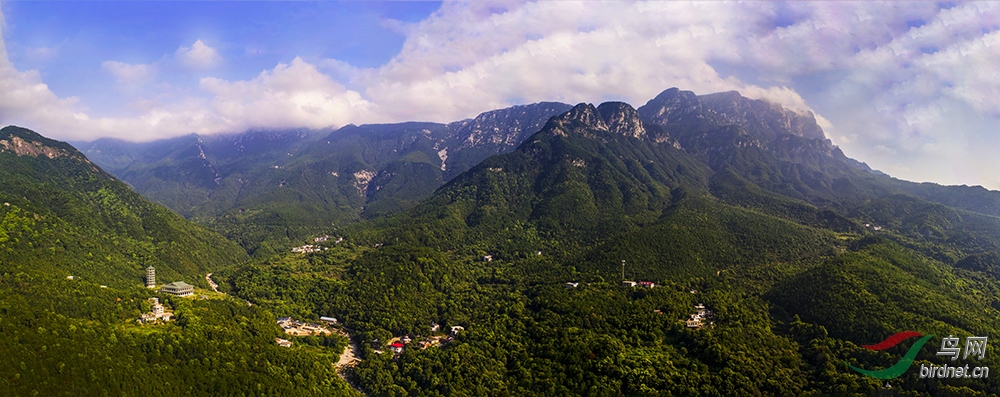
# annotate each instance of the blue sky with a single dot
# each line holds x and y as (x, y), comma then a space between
(909, 87)
(68, 41)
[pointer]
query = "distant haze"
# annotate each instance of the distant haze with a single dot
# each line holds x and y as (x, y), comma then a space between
(909, 88)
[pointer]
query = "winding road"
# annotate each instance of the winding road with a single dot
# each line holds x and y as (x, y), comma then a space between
(215, 287)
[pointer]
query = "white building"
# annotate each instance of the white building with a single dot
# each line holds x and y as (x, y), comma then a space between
(157, 312)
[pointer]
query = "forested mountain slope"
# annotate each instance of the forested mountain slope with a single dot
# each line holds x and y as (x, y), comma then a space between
(64, 214)
(738, 206)
(74, 247)
(265, 189)
(802, 255)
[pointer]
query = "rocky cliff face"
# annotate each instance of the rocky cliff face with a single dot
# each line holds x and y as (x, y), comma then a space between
(767, 119)
(24, 142)
(695, 122)
(579, 119)
(622, 118)
(502, 128)
(674, 106)
(497, 131)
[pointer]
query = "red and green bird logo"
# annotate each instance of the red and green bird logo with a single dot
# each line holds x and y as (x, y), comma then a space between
(904, 363)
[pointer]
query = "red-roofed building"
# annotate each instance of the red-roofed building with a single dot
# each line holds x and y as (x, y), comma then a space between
(396, 347)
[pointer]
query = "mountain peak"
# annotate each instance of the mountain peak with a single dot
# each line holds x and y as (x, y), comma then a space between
(672, 105)
(622, 118)
(768, 118)
(502, 129)
(25, 142)
(586, 114)
(675, 94)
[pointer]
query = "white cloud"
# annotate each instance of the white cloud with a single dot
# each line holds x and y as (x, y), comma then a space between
(26, 99)
(293, 94)
(126, 73)
(199, 56)
(917, 100)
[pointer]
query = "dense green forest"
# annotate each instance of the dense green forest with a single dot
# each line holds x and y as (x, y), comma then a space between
(73, 338)
(784, 323)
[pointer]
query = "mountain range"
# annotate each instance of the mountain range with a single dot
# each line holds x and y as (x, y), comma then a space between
(802, 252)
(519, 227)
(263, 187)
(268, 189)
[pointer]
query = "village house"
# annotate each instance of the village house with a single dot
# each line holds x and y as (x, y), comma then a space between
(572, 285)
(429, 342)
(156, 313)
(646, 284)
(396, 347)
(308, 248)
(456, 329)
(701, 315)
(283, 342)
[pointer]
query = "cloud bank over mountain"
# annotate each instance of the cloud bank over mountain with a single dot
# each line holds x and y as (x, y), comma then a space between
(907, 87)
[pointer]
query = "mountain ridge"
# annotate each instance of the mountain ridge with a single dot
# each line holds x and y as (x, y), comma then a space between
(362, 172)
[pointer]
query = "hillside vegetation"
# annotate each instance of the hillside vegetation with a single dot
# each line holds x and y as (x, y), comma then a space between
(512, 275)
(74, 245)
(798, 272)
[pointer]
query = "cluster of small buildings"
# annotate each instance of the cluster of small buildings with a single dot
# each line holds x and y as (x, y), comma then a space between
(700, 318)
(157, 312)
(308, 248)
(396, 346)
(322, 239)
(873, 227)
(644, 284)
(298, 328)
